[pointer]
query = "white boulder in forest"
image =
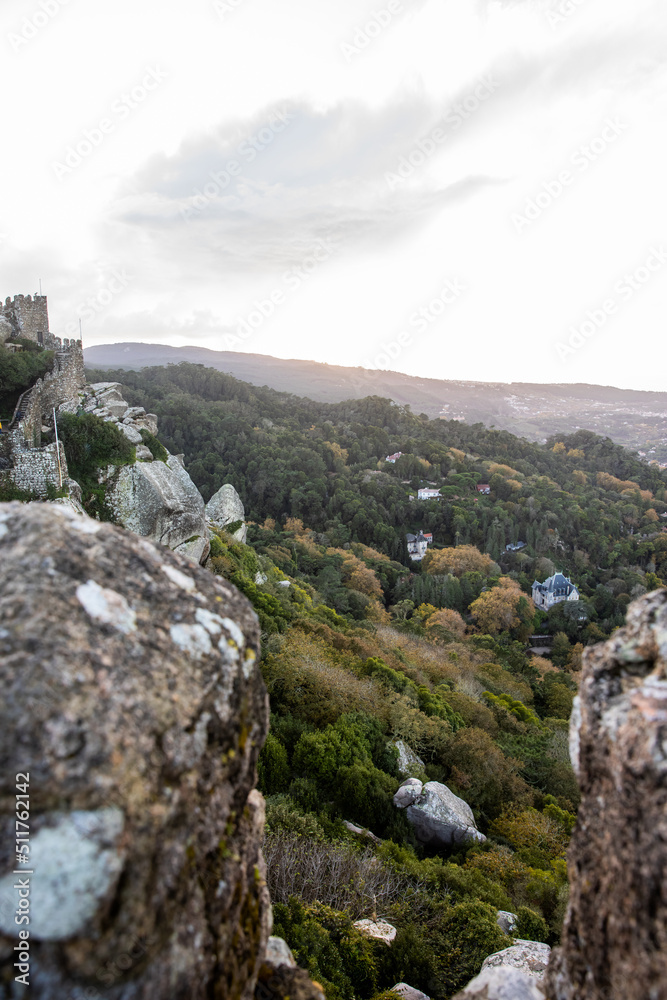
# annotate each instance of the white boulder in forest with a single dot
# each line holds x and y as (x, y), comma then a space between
(378, 930)
(437, 816)
(225, 507)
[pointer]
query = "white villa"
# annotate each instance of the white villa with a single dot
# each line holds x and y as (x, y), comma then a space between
(428, 494)
(554, 590)
(418, 544)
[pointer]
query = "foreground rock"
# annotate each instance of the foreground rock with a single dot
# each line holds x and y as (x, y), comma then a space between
(502, 983)
(615, 935)
(225, 507)
(132, 697)
(438, 817)
(529, 957)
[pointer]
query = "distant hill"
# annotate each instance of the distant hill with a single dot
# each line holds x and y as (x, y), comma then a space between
(632, 418)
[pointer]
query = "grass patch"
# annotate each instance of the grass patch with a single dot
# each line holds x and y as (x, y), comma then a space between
(156, 448)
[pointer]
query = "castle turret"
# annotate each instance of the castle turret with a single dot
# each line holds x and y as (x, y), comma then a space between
(25, 316)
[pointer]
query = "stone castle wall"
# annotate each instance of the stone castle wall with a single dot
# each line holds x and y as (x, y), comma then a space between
(36, 469)
(32, 467)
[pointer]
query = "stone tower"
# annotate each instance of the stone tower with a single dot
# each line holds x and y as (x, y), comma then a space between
(25, 316)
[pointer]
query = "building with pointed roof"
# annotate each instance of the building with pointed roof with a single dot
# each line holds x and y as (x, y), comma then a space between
(554, 590)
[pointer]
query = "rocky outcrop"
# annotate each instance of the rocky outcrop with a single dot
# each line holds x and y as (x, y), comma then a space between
(159, 501)
(132, 697)
(438, 817)
(530, 957)
(614, 941)
(502, 983)
(225, 507)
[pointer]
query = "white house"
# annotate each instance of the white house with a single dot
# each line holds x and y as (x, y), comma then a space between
(554, 590)
(393, 458)
(417, 545)
(427, 494)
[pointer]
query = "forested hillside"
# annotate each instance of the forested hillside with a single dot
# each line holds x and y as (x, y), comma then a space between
(582, 504)
(365, 653)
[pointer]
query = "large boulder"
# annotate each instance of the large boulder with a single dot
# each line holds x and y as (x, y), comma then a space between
(159, 501)
(614, 941)
(502, 983)
(226, 507)
(438, 817)
(133, 699)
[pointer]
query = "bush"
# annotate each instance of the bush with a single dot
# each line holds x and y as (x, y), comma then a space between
(484, 777)
(273, 767)
(470, 934)
(156, 448)
(326, 943)
(531, 926)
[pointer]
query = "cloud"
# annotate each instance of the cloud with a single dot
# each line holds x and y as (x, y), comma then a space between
(256, 196)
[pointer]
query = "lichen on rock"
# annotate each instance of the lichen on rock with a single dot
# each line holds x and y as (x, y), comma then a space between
(142, 745)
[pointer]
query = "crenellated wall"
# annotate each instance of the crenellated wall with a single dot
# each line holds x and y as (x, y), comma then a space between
(28, 316)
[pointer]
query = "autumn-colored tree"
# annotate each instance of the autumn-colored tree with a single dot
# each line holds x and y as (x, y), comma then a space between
(445, 623)
(459, 560)
(503, 608)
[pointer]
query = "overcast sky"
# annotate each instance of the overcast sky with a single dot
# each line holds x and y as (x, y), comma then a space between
(466, 189)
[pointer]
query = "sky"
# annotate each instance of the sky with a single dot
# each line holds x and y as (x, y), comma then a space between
(458, 189)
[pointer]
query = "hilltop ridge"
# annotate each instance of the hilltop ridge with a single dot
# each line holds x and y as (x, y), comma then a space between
(631, 417)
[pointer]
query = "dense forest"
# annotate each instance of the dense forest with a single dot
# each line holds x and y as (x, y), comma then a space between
(581, 504)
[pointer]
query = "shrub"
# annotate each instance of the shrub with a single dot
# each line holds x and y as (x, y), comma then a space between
(273, 767)
(531, 926)
(483, 775)
(325, 942)
(470, 934)
(156, 448)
